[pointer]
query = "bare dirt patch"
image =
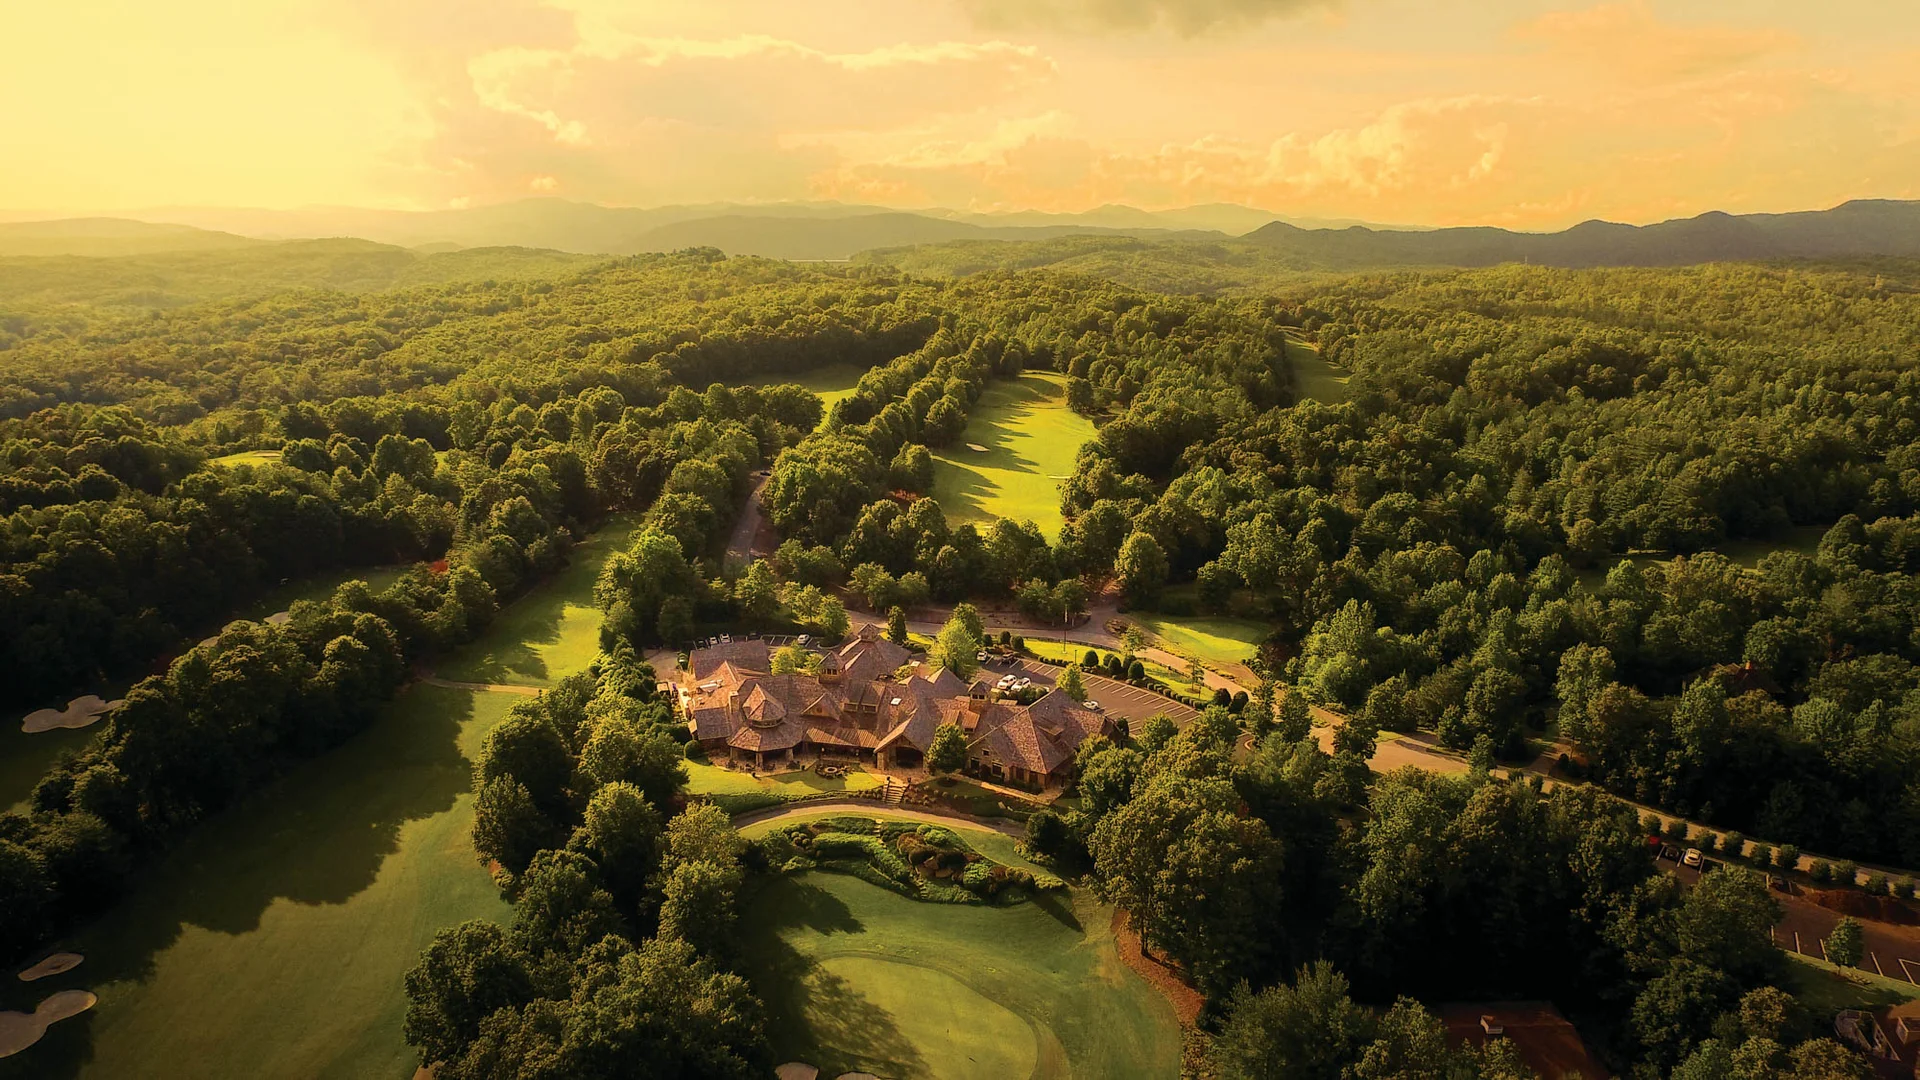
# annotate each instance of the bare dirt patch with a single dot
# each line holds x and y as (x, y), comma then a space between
(1160, 975)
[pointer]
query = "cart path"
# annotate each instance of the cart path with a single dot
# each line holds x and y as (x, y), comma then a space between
(497, 688)
(867, 808)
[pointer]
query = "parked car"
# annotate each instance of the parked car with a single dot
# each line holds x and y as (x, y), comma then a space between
(1006, 682)
(1668, 851)
(1094, 705)
(1023, 683)
(726, 639)
(1692, 858)
(981, 656)
(1778, 883)
(802, 640)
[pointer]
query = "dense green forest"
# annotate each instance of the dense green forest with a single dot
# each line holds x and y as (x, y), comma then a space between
(1510, 529)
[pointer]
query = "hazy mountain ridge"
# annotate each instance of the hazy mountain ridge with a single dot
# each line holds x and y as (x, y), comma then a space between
(1860, 227)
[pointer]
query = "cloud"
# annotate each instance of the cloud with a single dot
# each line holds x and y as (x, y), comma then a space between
(1628, 39)
(1427, 145)
(1187, 17)
(630, 119)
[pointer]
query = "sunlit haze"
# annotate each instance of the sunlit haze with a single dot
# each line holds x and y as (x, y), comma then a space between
(1523, 113)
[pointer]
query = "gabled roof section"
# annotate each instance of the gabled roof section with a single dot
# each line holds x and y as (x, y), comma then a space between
(755, 656)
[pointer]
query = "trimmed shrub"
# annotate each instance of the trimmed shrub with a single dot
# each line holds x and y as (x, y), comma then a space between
(1821, 871)
(1734, 845)
(1846, 872)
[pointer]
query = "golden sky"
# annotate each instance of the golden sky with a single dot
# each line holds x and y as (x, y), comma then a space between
(1525, 113)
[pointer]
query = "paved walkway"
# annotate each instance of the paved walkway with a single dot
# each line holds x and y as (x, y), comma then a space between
(866, 808)
(753, 518)
(497, 688)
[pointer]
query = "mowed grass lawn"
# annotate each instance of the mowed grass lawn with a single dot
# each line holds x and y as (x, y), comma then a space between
(1315, 379)
(1214, 639)
(859, 978)
(714, 780)
(831, 383)
(247, 457)
(551, 632)
(273, 942)
(1031, 439)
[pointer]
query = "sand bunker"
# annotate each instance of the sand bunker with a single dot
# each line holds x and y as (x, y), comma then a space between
(79, 713)
(976, 448)
(856, 1076)
(58, 964)
(796, 1070)
(280, 618)
(21, 1030)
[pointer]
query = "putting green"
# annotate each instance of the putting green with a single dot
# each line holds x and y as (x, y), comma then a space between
(957, 1031)
(858, 978)
(1031, 440)
(274, 940)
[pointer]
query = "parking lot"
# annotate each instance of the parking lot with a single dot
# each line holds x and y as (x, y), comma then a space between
(1892, 950)
(1117, 699)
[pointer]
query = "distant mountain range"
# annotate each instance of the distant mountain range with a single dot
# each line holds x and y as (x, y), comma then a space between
(781, 231)
(833, 231)
(1861, 227)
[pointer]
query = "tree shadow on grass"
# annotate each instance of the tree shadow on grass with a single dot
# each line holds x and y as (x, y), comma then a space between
(1057, 905)
(509, 650)
(316, 836)
(820, 1018)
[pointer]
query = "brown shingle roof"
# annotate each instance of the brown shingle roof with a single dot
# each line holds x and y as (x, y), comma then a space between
(746, 655)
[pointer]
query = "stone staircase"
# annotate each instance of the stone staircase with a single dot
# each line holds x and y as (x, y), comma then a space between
(894, 791)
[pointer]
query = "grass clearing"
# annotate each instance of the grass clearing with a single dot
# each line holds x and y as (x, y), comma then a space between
(832, 383)
(714, 780)
(246, 457)
(1215, 639)
(25, 758)
(1803, 539)
(273, 941)
(1031, 439)
(1826, 988)
(1315, 379)
(552, 631)
(859, 978)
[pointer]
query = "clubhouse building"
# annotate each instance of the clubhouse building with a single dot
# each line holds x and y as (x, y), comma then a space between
(856, 707)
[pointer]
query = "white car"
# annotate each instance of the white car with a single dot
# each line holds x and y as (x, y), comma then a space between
(1094, 705)
(981, 656)
(1023, 684)
(726, 639)
(802, 640)
(1691, 858)
(1006, 682)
